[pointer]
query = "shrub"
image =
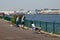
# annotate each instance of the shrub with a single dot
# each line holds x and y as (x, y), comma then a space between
(1, 16)
(13, 20)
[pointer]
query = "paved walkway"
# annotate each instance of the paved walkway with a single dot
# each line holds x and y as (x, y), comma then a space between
(8, 32)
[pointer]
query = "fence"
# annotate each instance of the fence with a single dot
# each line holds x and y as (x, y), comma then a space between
(46, 26)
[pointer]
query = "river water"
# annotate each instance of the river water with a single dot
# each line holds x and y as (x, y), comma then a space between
(46, 17)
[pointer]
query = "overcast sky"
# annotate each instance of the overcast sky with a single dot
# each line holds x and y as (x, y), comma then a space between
(28, 4)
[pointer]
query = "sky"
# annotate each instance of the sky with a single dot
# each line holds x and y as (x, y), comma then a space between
(29, 4)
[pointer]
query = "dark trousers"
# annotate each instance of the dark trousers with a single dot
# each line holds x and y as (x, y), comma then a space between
(17, 23)
(37, 29)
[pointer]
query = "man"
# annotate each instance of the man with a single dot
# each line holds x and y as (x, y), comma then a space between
(22, 21)
(17, 21)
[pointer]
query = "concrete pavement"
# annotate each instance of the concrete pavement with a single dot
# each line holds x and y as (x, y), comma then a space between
(8, 32)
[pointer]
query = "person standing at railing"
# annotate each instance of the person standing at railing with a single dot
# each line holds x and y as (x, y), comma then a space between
(17, 21)
(22, 21)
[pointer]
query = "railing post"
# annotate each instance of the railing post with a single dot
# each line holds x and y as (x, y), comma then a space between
(46, 26)
(54, 27)
(40, 23)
